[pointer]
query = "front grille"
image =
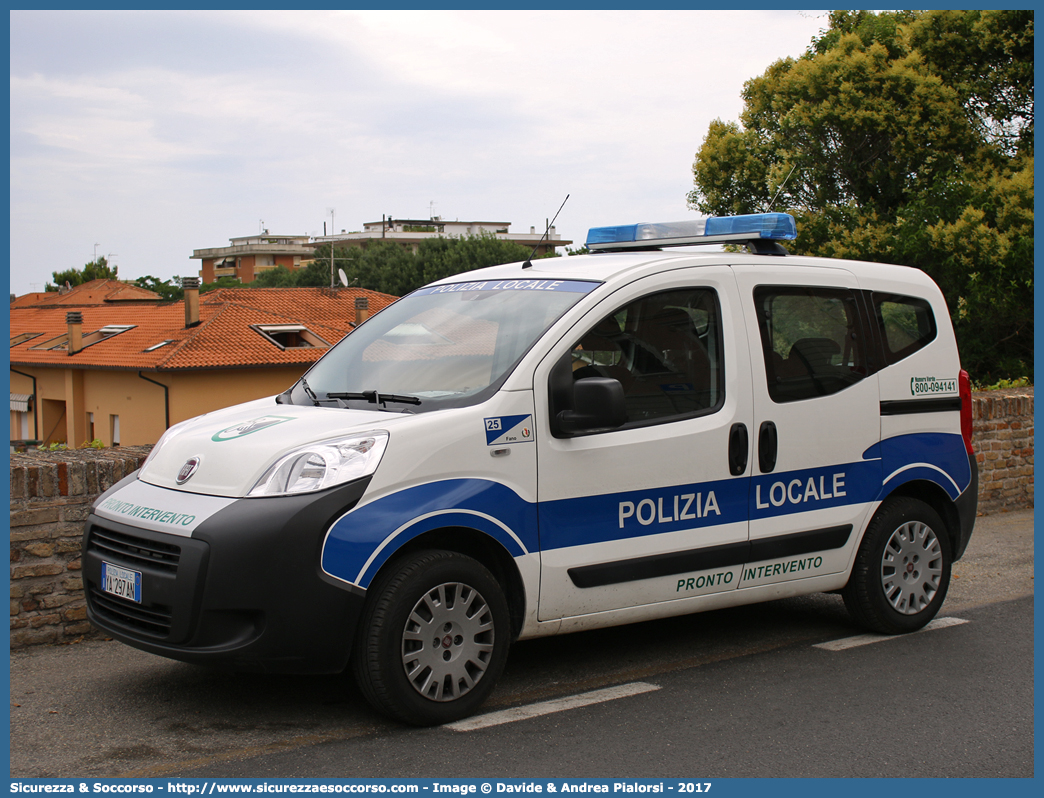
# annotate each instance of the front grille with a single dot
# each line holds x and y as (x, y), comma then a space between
(130, 548)
(153, 620)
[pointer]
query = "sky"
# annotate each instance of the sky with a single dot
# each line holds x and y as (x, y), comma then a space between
(143, 135)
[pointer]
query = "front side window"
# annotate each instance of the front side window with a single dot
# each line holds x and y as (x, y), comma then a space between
(665, 349)
(812, 341)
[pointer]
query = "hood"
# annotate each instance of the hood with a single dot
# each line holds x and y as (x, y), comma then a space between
(236, 445)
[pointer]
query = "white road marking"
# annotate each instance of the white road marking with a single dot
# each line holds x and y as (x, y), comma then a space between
(862, 640)
(548, 707)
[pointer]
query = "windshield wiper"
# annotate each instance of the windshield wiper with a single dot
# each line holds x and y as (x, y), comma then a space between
(310, 392)
(376, 398)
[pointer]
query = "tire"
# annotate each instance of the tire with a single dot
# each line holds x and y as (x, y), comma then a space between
(902, 570)
(433, 639)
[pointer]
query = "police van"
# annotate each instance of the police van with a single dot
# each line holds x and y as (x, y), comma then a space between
(651, 429)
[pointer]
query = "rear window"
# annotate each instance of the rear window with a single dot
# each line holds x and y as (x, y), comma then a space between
(907, 324)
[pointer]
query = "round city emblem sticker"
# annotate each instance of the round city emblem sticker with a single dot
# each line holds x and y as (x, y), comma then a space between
(188, 469)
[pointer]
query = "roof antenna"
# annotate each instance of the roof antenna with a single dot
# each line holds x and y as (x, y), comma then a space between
(529, 261)
(778, 190)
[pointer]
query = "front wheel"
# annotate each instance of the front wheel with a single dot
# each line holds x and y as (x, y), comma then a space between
(433, 639)
(902, 570)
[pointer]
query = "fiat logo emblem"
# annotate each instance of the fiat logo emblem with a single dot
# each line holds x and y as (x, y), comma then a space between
(188, 470)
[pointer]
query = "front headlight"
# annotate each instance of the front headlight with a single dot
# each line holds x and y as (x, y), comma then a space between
(323, 465)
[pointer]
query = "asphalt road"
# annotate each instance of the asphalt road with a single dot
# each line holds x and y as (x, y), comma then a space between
(733, 693)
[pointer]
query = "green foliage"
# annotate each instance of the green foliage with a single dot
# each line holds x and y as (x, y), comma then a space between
(389, 267)
(220, 282)
(1000, 385)
(392, 269)
(903, 137)
(95, 444)
(168, 289)
(317, 272)
(93, 270)
(279, 277)
(987, 57)
(52, 447)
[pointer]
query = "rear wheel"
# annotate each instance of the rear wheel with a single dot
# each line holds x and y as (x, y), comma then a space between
(902, 570)
(433, 639)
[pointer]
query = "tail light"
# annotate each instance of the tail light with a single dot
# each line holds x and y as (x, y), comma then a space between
(964, 387)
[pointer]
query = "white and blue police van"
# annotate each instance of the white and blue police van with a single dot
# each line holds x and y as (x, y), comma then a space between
(651, 429)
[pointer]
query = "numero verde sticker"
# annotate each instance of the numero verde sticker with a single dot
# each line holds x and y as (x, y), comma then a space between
(931, 386)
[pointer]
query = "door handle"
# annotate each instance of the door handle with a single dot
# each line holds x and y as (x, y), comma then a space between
(768, 444)
(738, 449)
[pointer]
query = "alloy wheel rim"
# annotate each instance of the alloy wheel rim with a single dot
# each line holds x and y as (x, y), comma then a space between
(911, 568)
(447, 642)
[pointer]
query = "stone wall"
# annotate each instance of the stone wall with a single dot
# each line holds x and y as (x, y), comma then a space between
(1003, 441)
(52, 491)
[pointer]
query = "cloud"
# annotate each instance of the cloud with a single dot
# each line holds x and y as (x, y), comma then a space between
(163, 132)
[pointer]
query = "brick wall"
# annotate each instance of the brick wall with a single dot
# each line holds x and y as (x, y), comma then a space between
(1003, 442)
(52, 491)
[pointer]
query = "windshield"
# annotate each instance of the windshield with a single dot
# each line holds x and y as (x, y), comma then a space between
(441, 346)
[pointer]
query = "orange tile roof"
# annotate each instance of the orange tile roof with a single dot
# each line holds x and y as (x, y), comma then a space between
(96, 292)
(222, 339)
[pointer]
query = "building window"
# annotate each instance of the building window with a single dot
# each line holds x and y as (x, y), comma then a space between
(105, 333)
(160, 345)
(114, 429)
(290, 336)
(21, 339)
(62, 341)
(54, 343)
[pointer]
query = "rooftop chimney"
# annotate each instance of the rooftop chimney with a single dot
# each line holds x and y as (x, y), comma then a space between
(75, 321)
(362, 309)
(191, 287)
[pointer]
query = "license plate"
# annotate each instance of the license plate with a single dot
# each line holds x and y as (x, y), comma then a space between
(122, 582)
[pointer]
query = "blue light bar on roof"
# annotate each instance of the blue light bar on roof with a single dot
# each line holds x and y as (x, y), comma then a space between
(712, 230)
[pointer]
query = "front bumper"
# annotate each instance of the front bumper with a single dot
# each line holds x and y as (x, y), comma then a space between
(244, 591)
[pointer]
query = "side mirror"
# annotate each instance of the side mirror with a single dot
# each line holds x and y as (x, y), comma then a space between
(598, 403)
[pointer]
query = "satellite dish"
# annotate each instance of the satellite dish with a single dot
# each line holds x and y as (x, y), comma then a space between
(343, 276)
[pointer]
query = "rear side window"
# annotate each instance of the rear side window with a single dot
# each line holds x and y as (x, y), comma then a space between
(812, 341)
(907, 324)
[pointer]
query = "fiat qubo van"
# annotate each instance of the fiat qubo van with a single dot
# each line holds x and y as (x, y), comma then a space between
(654, 428)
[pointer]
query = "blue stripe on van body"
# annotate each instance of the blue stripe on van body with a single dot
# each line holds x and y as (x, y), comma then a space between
(939, 457)
(637, 513)
(475, 503)
(500, 512)
(808, 489)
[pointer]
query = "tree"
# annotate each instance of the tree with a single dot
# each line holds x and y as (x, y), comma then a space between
(97, 269)
(317, 272)
(903, 137)
(444, 257)
(279, 277)
(220, 282)
(168, 289)
(392, 269)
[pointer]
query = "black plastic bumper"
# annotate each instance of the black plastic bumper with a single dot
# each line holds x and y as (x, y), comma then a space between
(967, 507)
(245, 591)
